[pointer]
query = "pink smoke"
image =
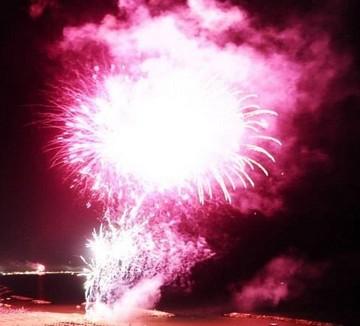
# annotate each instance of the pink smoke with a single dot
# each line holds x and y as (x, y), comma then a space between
(37, 7)
(290, 69)
(131, 305)
(283, 278)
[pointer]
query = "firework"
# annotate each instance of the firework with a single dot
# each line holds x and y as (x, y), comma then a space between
(171, 130)
(131, 261)
(167, 124)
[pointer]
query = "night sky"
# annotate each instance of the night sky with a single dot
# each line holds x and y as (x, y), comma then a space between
(42, 220)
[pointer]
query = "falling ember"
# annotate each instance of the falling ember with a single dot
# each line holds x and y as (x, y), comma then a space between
(172, 128)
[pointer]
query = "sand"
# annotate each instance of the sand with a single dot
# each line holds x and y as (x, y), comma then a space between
(19, 317)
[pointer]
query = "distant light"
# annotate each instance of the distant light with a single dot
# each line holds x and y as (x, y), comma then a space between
(40, 268)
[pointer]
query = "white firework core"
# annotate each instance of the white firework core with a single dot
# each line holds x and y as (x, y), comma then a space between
(171, 129)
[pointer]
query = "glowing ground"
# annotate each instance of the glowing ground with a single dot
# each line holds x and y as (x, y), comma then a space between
(61, 318)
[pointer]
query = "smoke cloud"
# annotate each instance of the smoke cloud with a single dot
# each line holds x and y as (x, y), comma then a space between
(131, 305)
(290, 68)
(37, 7)
(283, 278)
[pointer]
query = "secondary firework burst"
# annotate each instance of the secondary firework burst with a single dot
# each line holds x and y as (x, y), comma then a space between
(170, 129)
(132, 257)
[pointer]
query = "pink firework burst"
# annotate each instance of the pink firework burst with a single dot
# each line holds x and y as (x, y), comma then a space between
(173, 129)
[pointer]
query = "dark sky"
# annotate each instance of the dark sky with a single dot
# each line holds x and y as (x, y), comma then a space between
(41, 219)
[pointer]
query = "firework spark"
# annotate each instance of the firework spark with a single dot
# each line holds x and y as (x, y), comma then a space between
(133, 257)
(173, 129)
